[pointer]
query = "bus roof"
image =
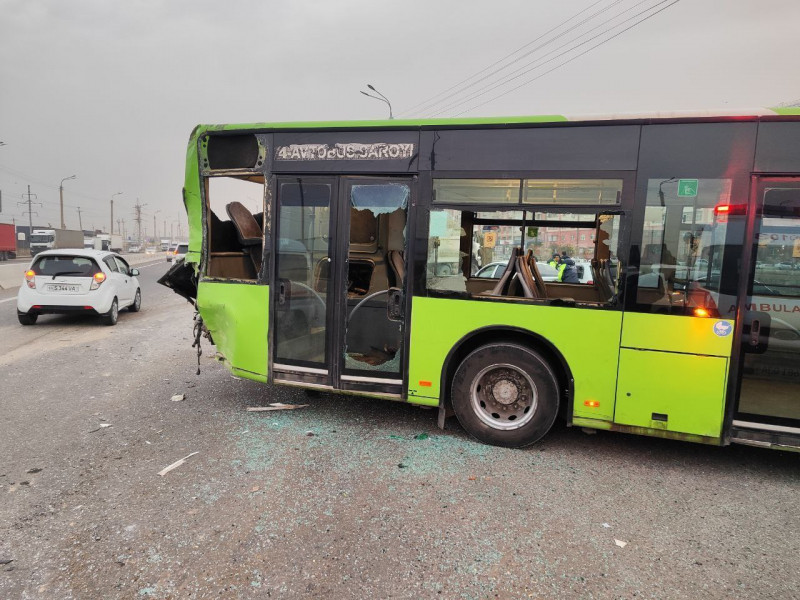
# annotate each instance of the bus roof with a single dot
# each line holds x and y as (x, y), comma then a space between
(675, 115)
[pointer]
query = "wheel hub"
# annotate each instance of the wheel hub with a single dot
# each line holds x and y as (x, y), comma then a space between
(503, 396)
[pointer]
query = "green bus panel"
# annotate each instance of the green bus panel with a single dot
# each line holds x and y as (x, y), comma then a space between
(236, 316)
(682, 393)
(675, 333)
(587, 339)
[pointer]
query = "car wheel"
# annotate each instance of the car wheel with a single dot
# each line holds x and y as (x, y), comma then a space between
(506, 395)
(137, 302)
(27, 319)
(112, 315)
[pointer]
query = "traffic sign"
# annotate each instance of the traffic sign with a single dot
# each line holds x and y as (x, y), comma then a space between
(687, 188)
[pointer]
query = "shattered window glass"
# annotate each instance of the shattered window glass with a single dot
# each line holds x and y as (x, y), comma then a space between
(380, 199)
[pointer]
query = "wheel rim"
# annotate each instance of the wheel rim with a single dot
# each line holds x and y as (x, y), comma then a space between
(503, 396)
(114, 311)
(138, 300)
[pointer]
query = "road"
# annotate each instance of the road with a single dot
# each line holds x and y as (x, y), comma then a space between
(344, 498)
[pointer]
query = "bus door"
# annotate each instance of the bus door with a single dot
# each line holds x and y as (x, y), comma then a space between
(338, 305)
(768, 407)
(373, 289)
(302, 288)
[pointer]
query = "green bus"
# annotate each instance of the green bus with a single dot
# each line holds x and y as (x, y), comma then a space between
(414, 261)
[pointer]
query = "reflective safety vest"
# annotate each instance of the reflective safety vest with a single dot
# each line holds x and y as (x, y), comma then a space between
(560, 267)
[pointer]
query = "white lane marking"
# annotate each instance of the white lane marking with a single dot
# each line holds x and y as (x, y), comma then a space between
(8, 299)
(155, 264)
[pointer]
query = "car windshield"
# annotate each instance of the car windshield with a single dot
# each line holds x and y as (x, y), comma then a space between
(38, 238)
(75, 266)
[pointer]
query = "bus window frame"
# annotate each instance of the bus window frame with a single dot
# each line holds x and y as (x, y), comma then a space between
(625, 210)
(205, 259)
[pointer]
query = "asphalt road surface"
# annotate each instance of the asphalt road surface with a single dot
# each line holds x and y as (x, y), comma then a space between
(344, 498)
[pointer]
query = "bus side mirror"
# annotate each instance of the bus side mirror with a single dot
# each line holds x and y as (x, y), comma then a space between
(395, 307)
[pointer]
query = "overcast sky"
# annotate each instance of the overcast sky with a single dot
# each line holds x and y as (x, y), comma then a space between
(110, 91)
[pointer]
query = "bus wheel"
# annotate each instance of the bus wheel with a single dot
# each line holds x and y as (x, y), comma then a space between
(506, 395)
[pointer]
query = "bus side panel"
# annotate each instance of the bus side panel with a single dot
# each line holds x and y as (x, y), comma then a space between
(192, 200)
(236, 315)
(587, 339)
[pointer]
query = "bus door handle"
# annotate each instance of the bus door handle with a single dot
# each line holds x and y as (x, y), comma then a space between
(395, 305)
(282, 288)
(755, 332)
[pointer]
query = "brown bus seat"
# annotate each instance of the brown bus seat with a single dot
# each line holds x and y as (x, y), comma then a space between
(248, 230)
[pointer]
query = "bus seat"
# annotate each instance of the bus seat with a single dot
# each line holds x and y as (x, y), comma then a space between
(599, 276)
(502, 287)
(527, 284)
(248, 230)
(397, 265)
(541, 288)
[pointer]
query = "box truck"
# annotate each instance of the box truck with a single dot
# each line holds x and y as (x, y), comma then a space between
(55, 239)
(8, 241)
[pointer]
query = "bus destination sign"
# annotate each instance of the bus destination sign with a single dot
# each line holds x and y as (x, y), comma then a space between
(352, 151)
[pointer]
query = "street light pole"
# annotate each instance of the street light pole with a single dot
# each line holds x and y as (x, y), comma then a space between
(155, 227)
(61, 195)
(112, 211)
(382, 99)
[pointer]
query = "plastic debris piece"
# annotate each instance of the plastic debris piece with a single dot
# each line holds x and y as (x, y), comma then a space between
(102, 426)
(402, 465)
(421, 436)
(472, 478)
(589, 431)
(5, 561)
(275, 406)
(606, 525)
(310, 434)
(255, 489)
(176, 464)
(32, 471)
(179, 397)
(620, 543)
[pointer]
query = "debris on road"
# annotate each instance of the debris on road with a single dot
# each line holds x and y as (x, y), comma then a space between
(310, 434)
(102, 426)
(472, 478)
(606, 525)
(421, 436)
(176, 464)
(179, 397)
(5, 561)
(275, 406)
(620, 543)
(32, 471)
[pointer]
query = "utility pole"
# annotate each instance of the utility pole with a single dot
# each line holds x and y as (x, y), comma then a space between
(165, 228)
(30, 203)
(124, 232)
(155, 227)
(119, 229)
(138, 219)
(80, 221)
(61, 195)
(112, 211)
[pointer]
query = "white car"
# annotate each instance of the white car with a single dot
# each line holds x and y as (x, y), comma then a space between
(179, 253)
(90, 282)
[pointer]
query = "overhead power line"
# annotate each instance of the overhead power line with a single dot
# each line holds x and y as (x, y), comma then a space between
(527, 67)
(573, 58)
(494, 72)
(548, 32)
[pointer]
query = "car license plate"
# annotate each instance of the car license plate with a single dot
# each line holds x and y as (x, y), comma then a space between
(60, 287)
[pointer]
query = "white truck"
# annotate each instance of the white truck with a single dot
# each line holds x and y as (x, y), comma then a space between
(55, 239)
(108, 241)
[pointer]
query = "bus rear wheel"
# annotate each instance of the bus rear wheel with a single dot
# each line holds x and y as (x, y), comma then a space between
(506, 395)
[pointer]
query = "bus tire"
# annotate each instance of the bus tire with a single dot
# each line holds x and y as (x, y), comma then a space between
(505, 394)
